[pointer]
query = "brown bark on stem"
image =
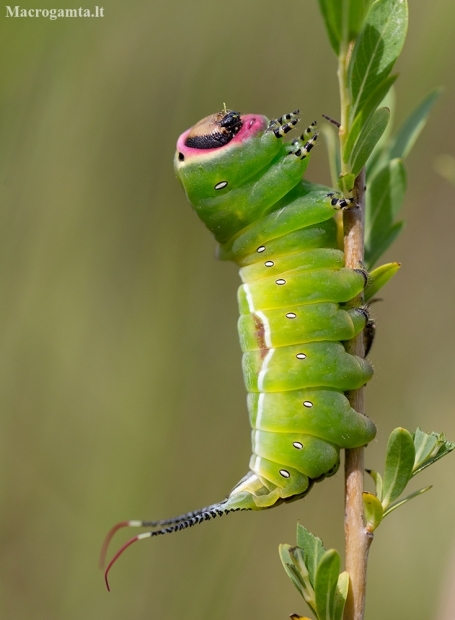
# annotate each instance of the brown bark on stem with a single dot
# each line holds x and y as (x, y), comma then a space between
(357, 539)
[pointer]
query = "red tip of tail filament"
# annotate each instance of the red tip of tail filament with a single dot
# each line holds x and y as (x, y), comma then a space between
(119, 553)
(108, 539)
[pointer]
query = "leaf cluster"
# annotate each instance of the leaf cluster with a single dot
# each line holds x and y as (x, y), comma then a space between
(407, 455)
(315, 572)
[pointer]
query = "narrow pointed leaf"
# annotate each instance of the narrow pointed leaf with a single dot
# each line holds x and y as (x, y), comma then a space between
(331, 12)
(413, 125)
(297, 617)
(385, 197)
(341, 595)
(378, 278)
(361, 117)
(368, 138)
(377, 481)
(378, 246)
(373, 511)
(398, 465)
(377, 48)
(325, 584)
(313, 550)
(406, 499)
(333, 151)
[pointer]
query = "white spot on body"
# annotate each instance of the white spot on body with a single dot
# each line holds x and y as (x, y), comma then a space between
(260, 249)
(280, 282)
(307, 403)
(269, 263)
(263, 371)
(301, 356)
(297, 445)
(291, 315)
(221, 185)
(285, 473)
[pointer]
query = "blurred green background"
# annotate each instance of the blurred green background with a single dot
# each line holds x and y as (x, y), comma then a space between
(122, 395)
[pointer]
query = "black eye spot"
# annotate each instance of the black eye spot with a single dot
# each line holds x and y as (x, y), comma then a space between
(181, 157)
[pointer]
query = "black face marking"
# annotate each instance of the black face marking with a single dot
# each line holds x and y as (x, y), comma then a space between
(181, 157)
(221, 185)
(285, 473)
(215, 130)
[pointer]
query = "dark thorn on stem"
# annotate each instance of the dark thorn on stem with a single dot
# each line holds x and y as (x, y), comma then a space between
(331, 120)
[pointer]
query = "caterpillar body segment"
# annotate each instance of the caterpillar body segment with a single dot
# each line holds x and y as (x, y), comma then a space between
(244, 181)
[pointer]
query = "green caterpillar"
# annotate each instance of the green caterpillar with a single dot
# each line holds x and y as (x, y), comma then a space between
(245, 183)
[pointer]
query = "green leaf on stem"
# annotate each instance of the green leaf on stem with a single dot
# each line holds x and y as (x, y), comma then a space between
(368, 138)
(376, 49)
(294, 565)
(377, 279)
(373, 511)
(385, 197)
(343, 19)
(313, 550)
(325, 586)
(360, 117)
(341, 594)
(346, 183)
(399, 464)
(429, 448)
(406, 499)
(377, 482)
(410, 130)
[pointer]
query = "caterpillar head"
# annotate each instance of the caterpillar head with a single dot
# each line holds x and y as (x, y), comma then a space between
(219, 161)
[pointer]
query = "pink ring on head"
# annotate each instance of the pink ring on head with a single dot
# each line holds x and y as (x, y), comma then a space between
(252, 124)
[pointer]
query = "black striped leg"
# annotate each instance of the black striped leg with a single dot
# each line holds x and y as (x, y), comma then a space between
(302, 151)
(341, 203)
(283, 125)
(307, 134)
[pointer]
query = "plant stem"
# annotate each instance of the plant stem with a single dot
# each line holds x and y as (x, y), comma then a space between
(357, 539)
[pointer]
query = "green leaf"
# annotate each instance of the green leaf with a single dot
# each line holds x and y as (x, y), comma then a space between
(341, 595)
(377, 482)
(376, 50)
(378, 278)
(343, 19)
(373, 511)
(399, 463)
(361, 117)
(429, 447)
(313, 550)
(413, 125)
(333, 151)
(377, 248)
(325, 584)
(396, 505)
(346, 183)
(444, 165)
(331, 13)
(369, 137)
(385, 196)
(293, 573)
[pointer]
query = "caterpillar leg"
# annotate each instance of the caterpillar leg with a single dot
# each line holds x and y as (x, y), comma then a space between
(283, 125)
(302, 151)
(342, 203)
